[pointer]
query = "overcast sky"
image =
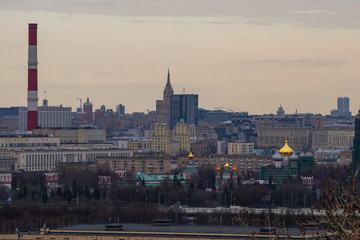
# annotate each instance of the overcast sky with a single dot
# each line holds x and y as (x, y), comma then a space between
(247, 55)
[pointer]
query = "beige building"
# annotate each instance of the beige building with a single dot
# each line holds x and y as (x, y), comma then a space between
(274, 137)
(145, 165)
(182, 135)
(171, 142)
(345, 158)
(160, 137)
(137, 145)
(240, 148)
(332, 138)
(10, 143)
(163, 106)
(48, 159)
(245, 164)
(74, 135)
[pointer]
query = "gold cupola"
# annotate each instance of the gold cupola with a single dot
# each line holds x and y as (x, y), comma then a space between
(286, 151)
(190, 155)
(226, 165)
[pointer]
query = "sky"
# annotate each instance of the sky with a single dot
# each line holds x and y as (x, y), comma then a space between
(243, 55)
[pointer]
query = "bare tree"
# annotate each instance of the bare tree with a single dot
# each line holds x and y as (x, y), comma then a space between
(338, 213)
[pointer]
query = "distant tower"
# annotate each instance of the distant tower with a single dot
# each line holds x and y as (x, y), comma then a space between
(120, 109)
(168, 91)
(88, 109)
(340, 104)
(343, 105)
(163, 106)
(32, 108)
(280, 112)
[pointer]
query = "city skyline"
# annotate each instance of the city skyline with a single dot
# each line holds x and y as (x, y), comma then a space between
(245, 55)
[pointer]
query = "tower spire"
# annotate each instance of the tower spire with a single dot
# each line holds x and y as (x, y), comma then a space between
(168, 77)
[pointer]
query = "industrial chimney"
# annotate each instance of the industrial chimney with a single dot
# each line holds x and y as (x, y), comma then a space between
(32, 107)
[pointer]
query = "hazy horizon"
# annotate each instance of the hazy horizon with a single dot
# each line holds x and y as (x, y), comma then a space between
(248, 55)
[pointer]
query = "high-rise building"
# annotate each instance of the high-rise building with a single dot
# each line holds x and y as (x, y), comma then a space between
(120, 109)
(182, 135)
(160, 138)
(356, 149)
(88, 109)
(343, 104)
(163, 106)
(184, 108)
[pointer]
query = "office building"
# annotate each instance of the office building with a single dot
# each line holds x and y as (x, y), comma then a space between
(120, 109)
(49, 159)
(74, 135)
(343, 106)
(48, 117)
(332, 138)
(183, 108)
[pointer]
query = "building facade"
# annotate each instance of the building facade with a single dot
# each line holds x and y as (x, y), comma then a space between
(160, 137)
(74, 135)
(88, 109)
(163, 106)
(184, 108)
(182, 135)
(332, 138)
(274, 137)
(49, 159)
(240, 148)
(48, 117)
(133, 165)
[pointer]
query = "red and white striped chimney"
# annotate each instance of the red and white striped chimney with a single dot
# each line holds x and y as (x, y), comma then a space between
(32, 108)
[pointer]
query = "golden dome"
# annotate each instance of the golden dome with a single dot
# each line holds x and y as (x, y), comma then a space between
(218, 169)
(286, 150)
(234, 169)
(226, 165)
(191, 155)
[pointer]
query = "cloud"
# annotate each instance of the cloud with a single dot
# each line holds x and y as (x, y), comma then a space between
(312, 12)
(309, 13)
(297, 62)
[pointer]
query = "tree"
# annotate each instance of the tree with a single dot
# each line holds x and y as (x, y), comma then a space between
(339, 210)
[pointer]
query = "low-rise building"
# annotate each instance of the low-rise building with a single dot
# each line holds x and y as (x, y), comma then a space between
(133, 165)
(240, 148)
(74, 135)
(48, 159)
(332, 138)
(270, 137)
(345, 158)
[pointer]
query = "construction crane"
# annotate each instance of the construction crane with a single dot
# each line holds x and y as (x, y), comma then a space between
(80, 102)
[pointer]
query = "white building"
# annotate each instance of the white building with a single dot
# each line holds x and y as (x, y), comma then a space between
(48, 117)
(48, 159)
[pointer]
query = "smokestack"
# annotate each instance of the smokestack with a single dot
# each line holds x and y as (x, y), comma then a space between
(32, 108)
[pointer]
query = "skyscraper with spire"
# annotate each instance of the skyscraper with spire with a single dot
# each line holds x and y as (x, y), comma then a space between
(163, 106)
